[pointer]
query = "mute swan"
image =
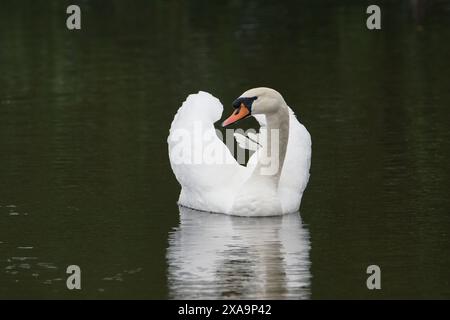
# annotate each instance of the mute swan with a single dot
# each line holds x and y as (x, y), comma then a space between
(211, 179)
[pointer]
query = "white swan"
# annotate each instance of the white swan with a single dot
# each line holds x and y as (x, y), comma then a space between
(276, 175)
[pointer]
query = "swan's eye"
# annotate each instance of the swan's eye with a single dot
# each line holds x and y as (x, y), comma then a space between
(247, 102)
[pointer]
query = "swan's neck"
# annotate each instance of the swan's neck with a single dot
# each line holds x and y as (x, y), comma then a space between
(271, 158)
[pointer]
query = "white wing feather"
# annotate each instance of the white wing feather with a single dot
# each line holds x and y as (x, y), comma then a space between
(201, 162)
(246, 142)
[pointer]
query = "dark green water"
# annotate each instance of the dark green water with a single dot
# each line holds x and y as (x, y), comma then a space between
(85, 177)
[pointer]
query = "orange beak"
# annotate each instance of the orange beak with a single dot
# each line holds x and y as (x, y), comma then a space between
(239, 114)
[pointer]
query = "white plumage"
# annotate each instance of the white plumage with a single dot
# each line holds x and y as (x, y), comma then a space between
(212, 180)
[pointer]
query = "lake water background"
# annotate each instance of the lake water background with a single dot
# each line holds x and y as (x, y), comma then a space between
(85, 177)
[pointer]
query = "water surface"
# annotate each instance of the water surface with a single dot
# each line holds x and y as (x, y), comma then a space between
(217, 256)
(84, 171)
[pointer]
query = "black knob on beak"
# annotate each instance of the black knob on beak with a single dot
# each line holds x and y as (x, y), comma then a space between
(246, 101)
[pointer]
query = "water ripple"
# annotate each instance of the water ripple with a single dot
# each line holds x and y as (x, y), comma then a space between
(212, 256)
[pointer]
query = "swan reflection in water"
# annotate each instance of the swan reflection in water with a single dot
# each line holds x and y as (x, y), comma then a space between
(216, 256)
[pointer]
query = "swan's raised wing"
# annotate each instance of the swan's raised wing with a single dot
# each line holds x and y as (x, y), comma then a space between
(295, 172)
(202, 163)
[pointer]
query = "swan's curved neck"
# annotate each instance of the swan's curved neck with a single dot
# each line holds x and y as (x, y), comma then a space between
(271, 158)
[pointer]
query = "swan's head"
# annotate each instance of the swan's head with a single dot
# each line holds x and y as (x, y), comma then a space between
(255, 101)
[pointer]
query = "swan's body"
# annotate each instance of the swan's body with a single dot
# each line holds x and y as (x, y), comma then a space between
(276, 175)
